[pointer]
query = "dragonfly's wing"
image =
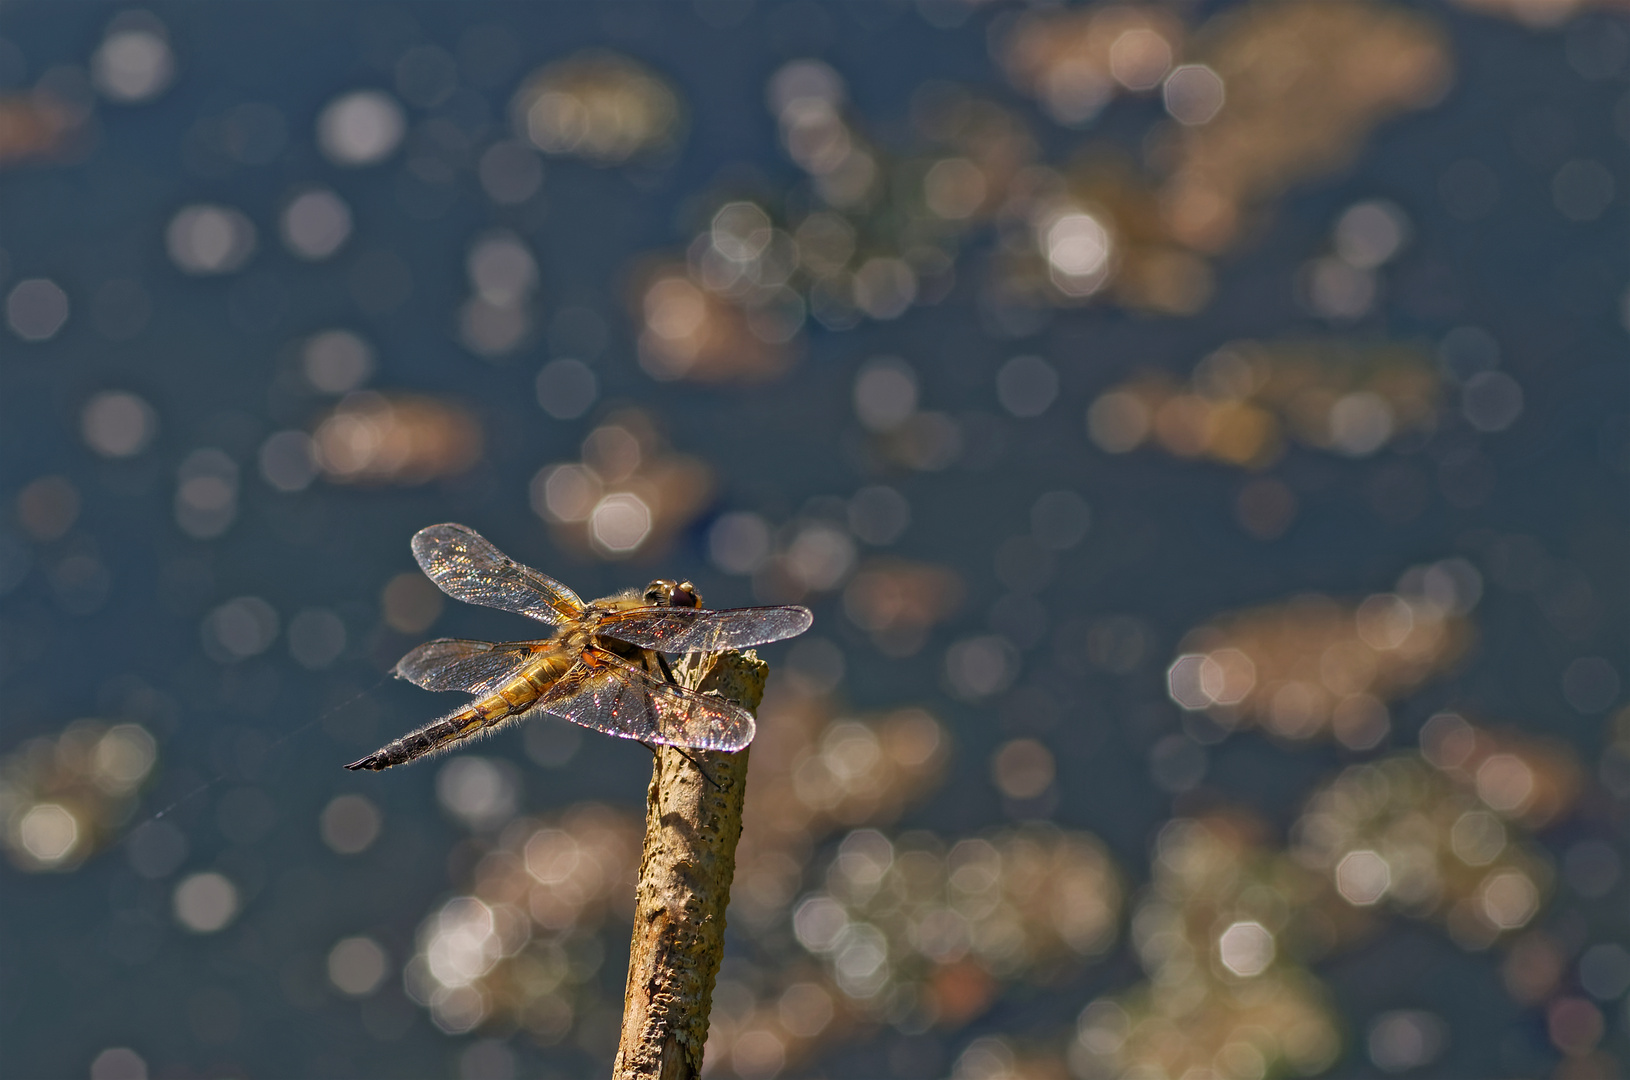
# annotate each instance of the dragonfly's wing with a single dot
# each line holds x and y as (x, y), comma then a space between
(456, 664)
(606, 694)
(679, 630)
(467, 567)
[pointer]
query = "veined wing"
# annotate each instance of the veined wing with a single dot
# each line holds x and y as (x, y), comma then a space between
(466, 566)
(456, 664)
(604, 693)
(679, 630)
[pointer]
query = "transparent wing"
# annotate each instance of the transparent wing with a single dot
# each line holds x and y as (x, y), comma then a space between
(603, 693)
(679, 630)
(464, 565)
(456, 664)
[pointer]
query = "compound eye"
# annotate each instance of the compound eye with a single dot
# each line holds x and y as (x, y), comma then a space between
(684, 595)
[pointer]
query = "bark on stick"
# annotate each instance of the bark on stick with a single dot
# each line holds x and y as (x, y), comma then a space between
(691, 829)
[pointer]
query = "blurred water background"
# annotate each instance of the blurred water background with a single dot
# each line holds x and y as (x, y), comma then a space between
(1199, 428)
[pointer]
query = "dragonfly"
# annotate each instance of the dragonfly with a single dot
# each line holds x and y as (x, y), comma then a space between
(604, 666)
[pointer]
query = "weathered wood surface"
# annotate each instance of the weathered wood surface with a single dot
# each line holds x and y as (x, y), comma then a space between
(692, 826)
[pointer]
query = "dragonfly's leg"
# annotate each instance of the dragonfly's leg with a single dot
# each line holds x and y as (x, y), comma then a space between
(681, 751)
(661, 664)
(699, 768)
(657, 664)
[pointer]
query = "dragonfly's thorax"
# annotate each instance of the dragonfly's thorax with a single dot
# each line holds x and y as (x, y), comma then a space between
(574, 637)
(662, 593)
(621, 648)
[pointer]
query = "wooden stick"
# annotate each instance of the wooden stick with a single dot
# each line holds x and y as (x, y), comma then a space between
(692, 825)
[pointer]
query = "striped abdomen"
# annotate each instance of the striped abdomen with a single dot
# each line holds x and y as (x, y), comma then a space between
(513, 697)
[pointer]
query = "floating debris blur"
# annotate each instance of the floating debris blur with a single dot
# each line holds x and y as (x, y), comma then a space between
(1263, 97)
(1539, 14)
(55, 122)
(691, 332)
(520, 949)
(1219, 935)
(1313, 665)
(886, 228)
(1305, 85)
(64, 799)
(923, 932)
(39, 127)
(1439, 834)
(926, 918)
(821, 549)
(600, 106)
(817, 772)
(897, 601)
(1229, 922)
(1075, 63)
(630, 493)
(503, 275)
(1246, 400)
(1529, 781)
(376, 438)
(881, 234)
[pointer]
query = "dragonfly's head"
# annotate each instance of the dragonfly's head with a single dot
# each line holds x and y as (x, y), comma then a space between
(664, 593)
